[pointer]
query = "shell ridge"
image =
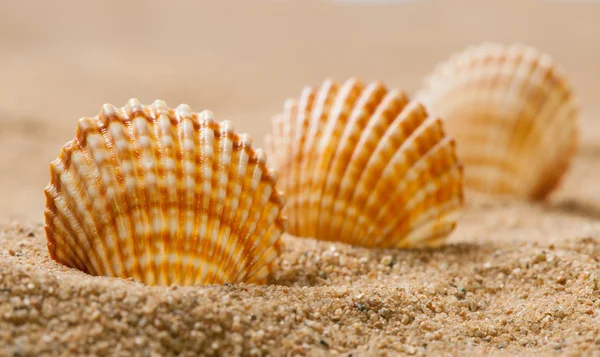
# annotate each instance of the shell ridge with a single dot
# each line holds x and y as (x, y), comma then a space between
(168, 177)
(404, 166)
(251, 182)
(187, 184)
(552, 119)
(117, 140)
(539, 80)
(156, 194)
(378, 124)
(55, 225)
(430, 224)
(523, 124)
(302, 121)
(195, 208)
(211, 244)
(355, 165)
(486, 97)
(433, 229)
(70, 257)
(264, 266)
(161, 225)
(49, 216)
(270, 226)
(229, 241)
(55, 240)
(337, 120)
(182, 257)
(234, 192)
(550, 181)
(158, 227)
(321, 110)
(91, 138)
(479, 62)
(267, 200)
(367, 103)
(224, 158)
(52, 193)
(392, 143)
(252, 263)
(207, 142)
(266, 235)
(429, 203)
(70, 219)
(72, 167)
(94, 157)
(87, 213)
(261, 198)
(265, 232)
(139, 134)
(257, 198)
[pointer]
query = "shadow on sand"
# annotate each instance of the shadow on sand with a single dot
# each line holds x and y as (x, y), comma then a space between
(575, 207)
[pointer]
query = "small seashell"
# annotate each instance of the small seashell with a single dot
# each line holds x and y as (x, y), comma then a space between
(513, 115)
(364, 165)
(164, 196)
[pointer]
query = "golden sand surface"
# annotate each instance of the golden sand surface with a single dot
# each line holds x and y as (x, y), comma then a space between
(515, 278)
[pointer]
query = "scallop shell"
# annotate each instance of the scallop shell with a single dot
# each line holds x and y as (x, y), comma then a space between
(165, 197)
(364, 165)
(513, 115)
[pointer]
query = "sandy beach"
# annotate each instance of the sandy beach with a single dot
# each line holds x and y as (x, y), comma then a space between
(515, 278)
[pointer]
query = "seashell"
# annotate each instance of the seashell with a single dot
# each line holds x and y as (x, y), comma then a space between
(164, 196)
(513, 115)
(365, 165)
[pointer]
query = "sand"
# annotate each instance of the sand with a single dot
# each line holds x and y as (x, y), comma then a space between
(515, 278)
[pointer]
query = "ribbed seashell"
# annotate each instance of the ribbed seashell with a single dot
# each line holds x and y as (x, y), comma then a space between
(164, 196)
(513, 115)
(365, 165)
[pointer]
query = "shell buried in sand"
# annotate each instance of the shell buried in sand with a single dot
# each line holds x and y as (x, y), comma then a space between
(513, 115)
(164, 196)
(365, 165)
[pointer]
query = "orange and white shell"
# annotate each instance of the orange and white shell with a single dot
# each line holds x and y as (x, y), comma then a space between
(513, 115)
(362, 164)
(164, 196)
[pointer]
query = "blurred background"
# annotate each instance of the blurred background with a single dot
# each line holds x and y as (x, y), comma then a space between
(62, 60)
